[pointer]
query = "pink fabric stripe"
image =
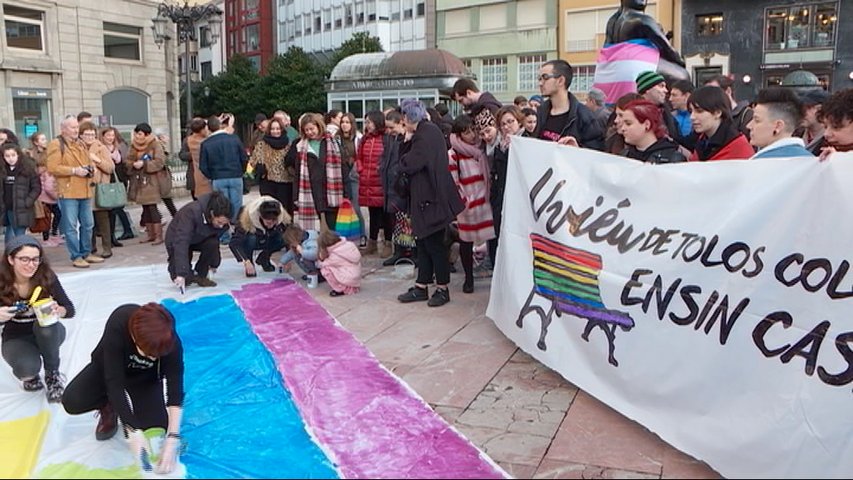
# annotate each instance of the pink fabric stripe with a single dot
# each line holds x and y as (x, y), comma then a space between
(628, 51)
(614, 90)
(364, 417)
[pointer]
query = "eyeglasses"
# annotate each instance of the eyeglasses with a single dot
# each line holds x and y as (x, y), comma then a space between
(88, 134)
(545, 76)
(29, 260)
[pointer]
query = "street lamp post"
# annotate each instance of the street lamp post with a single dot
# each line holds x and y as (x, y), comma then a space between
(185, 18)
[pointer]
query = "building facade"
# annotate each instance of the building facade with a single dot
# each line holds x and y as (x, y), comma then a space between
(583, 24)
(322, 26)
(207, 58)
(761, 41)
(249, 30)
(60, 58)
(502, 42)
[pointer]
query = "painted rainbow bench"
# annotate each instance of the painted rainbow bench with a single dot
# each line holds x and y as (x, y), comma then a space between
(568, 278)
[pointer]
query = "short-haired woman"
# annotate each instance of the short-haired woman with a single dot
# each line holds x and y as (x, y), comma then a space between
(99, 155)
(145, 160)
(138, 350)
(434, 204)
(645, 134)
(25, 342)
(719, 137)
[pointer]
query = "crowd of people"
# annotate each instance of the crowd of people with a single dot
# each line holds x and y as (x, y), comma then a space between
(427, 180)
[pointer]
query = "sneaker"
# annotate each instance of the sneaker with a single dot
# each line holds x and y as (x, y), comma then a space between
(203, 281)
(415, 294)
(33, 384)
(55, 386)
(80, 263)
(439, 298)
(94, 259)
(107, 423)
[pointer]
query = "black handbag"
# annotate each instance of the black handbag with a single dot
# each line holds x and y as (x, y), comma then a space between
(402, 185)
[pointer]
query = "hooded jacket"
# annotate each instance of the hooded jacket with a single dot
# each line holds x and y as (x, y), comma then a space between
(250, 223)
(189, 227)
(342, 268)
(662, 151)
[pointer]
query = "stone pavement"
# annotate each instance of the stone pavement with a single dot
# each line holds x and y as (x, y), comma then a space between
(526, 417)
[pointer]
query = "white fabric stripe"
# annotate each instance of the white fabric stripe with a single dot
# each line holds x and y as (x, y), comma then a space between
(621, 71)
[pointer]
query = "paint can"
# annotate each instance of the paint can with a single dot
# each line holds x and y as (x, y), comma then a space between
(313, 280)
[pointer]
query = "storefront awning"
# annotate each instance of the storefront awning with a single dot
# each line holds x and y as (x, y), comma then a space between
(430, 68)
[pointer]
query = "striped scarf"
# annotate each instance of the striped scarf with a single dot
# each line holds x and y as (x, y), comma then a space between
(306, 212)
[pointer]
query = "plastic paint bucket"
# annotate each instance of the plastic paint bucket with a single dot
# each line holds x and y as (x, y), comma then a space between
(155, 437)
(313, 280)
(44, 312)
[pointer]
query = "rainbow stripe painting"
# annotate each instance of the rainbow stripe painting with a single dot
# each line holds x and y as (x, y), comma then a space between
(569, 279)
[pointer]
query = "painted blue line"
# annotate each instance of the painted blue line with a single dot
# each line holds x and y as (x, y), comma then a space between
(239, 419)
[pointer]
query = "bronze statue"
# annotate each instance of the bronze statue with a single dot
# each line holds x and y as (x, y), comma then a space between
(631, 22)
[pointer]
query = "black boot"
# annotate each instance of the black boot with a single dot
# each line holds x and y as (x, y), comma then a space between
(264, 261)
(399, 252)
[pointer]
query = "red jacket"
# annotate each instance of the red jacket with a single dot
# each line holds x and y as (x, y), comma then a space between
(737, 149)
(368, 159)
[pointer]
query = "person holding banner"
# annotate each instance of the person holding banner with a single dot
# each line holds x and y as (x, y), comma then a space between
(837, 115)
(434, 203)
(645, 134)
(777, 113)
(562, 118)
(719, 137)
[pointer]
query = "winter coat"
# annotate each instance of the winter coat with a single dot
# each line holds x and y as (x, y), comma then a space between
(475, 222)
(189, 227)
(48, 187)
(103, 171)
(368, 161)
(784, 148)
(222, 156)
(249, 222)
(145, 182)
(434, 200)
(389, 170)
(316, 174)
(581, 124)
(309, 248)
(727, 143)
(273, 169)
(342, 268)
(201, 184)
(62, 158)
(25, 191)
(662, 151)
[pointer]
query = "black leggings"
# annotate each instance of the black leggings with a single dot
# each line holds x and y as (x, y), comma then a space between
(170, 206)
(432, 259)
(466, 254)
(379, 218)
(57, 217)
(88, 392)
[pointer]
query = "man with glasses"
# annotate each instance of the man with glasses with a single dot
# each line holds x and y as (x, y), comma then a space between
(562, 118)
(69, 162)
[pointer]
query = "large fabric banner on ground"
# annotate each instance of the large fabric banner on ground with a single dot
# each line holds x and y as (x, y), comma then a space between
(711, 302)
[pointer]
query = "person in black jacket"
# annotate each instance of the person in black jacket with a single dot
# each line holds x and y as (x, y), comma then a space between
(20, 190)
(645, 134)
(562, 118)
(138, 351)
(223, 160)
(261, 227)
(196, 228)
(434, 202)
(26, 342)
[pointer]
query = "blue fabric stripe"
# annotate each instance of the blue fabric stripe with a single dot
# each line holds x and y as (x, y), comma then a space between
(239, 419)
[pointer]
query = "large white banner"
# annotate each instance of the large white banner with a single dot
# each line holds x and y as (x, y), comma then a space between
(710, 302)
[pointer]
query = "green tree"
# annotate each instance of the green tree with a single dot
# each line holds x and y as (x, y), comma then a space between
(237, 90)
(294, 83)
(361, 42)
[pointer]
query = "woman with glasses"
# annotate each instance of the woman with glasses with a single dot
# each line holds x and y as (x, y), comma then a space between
(511, 121)
(25, 342)
(20, 190)
(101, 173)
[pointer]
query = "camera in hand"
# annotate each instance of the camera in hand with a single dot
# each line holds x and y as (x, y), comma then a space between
(90, 170)
(20, 306)
(146, 157)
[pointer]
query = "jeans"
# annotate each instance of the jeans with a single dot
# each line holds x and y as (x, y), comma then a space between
(77, 225)
(351, 189)
(24, 354)
(274, 243)
(232, 188)
(13, 230)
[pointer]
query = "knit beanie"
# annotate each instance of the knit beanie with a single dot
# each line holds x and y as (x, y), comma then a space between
(647, 80)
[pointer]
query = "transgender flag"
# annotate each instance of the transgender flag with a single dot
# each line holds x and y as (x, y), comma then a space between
(619, 64)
